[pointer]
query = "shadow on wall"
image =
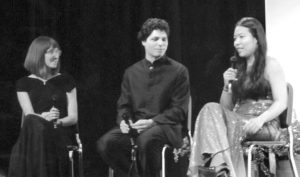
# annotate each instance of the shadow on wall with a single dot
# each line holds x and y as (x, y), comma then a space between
(10, 121)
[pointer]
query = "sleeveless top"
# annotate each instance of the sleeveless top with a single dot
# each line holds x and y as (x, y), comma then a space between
(260, 90)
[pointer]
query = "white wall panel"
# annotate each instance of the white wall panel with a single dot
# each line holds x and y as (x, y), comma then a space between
(283, 35)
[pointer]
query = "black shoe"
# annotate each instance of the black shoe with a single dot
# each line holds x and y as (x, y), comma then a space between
(206, 159)
(222, 170)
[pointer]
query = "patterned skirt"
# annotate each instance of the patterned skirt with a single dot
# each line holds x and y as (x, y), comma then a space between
(218, 128)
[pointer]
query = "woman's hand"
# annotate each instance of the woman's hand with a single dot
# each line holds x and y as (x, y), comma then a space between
(253, 126)
(229, 75)
(51, 115)
(143, 124)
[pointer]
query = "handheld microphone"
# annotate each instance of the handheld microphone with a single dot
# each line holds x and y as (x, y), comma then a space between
(133, 170)
(126, 119)
(54, 100)
(132, 132)
(233, 61)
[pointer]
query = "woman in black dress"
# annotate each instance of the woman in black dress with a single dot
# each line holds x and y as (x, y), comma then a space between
(48, 100)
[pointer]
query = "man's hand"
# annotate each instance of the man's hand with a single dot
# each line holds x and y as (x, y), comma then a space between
(143, 124)
(124, 127)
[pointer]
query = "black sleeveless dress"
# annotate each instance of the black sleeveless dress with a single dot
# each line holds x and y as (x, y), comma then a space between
(40, 150)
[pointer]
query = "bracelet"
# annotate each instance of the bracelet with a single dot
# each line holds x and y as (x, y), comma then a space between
(226, 88)
(57, 123)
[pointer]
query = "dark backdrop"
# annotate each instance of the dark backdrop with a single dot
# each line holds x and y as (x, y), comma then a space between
(98, 39)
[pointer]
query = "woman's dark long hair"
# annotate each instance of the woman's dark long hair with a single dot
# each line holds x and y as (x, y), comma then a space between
(256, 75)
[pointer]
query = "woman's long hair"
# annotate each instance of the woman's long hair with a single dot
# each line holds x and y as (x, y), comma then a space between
(255, 76)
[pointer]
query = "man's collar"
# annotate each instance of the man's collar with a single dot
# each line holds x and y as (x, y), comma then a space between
(161, 60)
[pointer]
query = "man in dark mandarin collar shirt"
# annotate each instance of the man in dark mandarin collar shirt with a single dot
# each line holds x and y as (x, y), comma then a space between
(154, 95)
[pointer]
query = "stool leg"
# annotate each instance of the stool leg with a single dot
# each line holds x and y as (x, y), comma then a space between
(72, 163)
(272, 162)
(291, 152)
(163, 160)
(249, 158)
(80, 163)
(110, 172)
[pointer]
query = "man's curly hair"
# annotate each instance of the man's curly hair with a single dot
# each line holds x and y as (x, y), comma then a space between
(150, 25)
